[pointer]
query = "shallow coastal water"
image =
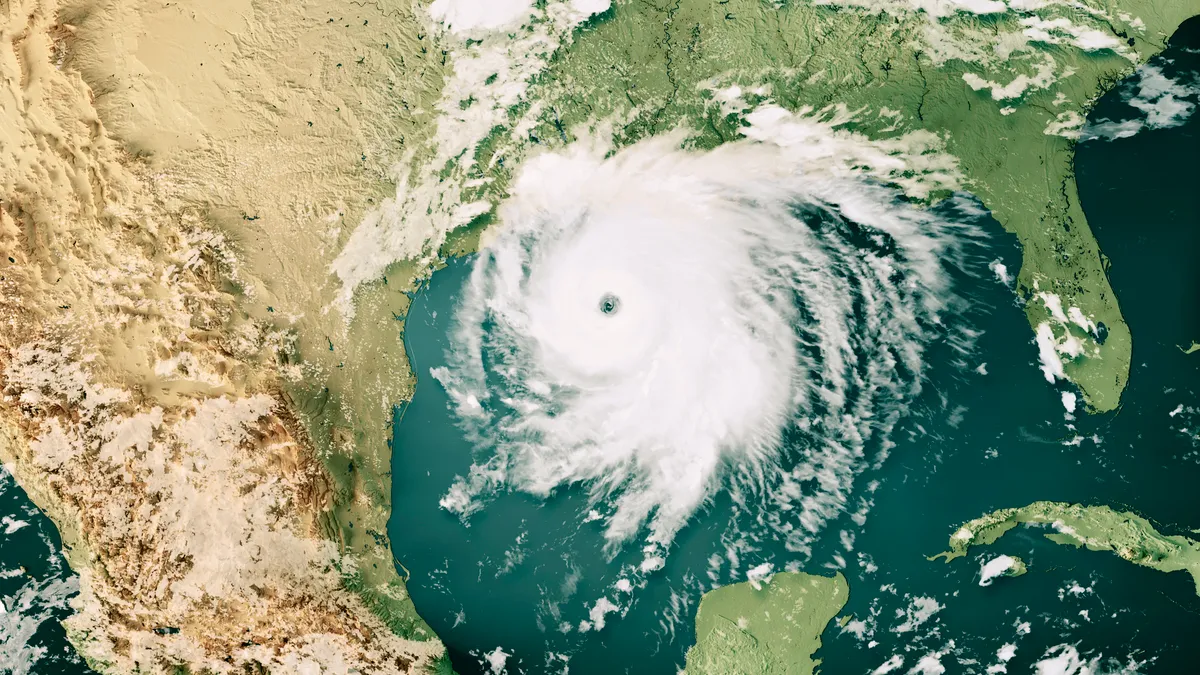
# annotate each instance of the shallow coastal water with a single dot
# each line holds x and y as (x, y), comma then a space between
(526, 574)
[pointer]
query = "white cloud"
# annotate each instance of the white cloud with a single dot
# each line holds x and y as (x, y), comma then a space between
(1165, 103)
(931, 663)
(590, 7)
(1161, 98)
(461, 16)
(1055, 339)
(12, 525)
(1052, 366)
(760, 574)
(496, 660)
(34, 604)
(652, 563)
(1069, 400)
(1042, 77)
(919, 610)
(888, 666)
(1065, 124)
(994, 568)
(1003, 656)
(1062, 30)
(1053, 305)
(601, 609)
(1109, 130)
(1065, 660)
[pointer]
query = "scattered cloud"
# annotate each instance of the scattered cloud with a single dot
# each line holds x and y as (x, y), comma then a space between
(1163, 101)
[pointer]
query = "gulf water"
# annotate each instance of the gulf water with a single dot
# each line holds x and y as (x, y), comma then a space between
(523, 573)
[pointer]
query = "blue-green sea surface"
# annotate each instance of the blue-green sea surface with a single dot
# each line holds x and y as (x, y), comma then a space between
(520, 581)
(35, 588)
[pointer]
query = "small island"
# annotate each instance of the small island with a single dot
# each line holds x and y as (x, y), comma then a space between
(1001, 566)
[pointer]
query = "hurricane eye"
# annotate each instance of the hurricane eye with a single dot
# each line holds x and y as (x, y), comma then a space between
(609, 304)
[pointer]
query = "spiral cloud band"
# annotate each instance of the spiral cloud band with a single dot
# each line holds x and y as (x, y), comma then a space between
(656, 322)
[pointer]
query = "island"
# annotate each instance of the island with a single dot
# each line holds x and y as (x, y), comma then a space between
(1098, 528)
(1001, 566)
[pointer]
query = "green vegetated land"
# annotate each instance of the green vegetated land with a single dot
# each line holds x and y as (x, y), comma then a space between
(650, 66)
(350, 428)
(775, 627)
(1099, 528)
(772, 629)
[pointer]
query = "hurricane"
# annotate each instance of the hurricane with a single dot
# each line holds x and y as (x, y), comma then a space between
(656, 323)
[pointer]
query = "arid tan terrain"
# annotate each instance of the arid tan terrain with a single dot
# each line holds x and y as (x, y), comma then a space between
(175, 178)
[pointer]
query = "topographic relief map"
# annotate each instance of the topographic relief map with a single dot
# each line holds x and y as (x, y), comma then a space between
(596, 337)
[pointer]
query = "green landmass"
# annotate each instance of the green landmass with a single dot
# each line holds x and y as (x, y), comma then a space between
(1193, 348)
(1099, 528)
(772, 629)
(351, 430)
(648, 67)
(1018, 567)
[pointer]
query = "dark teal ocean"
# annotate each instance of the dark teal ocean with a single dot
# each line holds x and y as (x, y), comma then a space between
(970, 444)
